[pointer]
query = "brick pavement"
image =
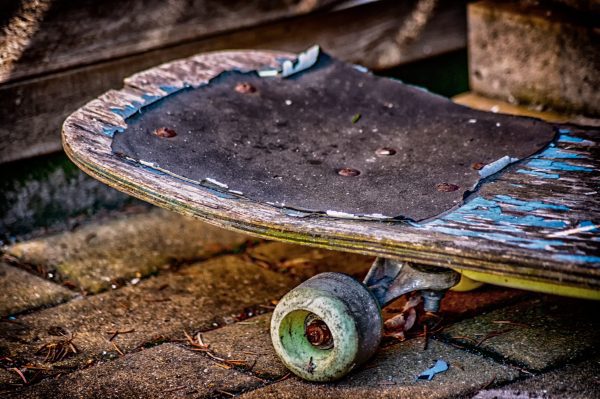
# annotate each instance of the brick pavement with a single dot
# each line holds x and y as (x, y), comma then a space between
(75, 333)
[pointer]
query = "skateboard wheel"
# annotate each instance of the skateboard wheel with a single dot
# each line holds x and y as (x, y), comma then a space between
(326, 327)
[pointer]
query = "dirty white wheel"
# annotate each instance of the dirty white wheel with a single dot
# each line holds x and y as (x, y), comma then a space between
(326, 327)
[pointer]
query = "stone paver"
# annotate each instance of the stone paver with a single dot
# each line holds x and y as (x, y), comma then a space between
(575, 381)
(21, 291)
(206, 297)
(96, 256)
(536, 334)
(303, 262)
(158, 309)
(165, 371)
(249, 341)
(393, 371)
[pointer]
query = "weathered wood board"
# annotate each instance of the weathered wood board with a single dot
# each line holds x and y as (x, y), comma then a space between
(38, 93)
(50, 35)
(537, 220)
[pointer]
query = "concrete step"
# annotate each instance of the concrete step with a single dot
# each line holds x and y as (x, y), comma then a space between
(535, 53)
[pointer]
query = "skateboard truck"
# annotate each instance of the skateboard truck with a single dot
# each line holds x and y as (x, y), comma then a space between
(389, 279)
(331, 323)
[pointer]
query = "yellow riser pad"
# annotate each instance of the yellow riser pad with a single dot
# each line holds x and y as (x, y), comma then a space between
(471, 280)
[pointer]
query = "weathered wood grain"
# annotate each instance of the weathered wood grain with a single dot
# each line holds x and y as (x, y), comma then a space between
(32, 110)
(522, 225)
(43, 35)
(478, 101)
(50, 35)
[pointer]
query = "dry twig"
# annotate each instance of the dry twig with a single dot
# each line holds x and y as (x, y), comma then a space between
(115, 333)
(16, 370)
(58, 350)
(117, 348)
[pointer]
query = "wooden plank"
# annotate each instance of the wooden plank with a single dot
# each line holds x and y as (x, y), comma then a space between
(50, 35)
(483, 103)
(536, 221)
(477, 101)
(33, 110)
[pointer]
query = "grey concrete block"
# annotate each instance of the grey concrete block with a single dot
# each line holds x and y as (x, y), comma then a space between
(21, 291)
(99, 255)
(392, 374)
(165, 371)
(535, 54)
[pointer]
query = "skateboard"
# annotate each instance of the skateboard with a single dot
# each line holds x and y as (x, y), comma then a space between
(308, 149)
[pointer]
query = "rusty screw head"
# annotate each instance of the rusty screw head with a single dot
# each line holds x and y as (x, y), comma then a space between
(165, 132)
(348, 172)
(477, 165)
(245, 88)
(318, 334)
(446, 187)
(384, 151)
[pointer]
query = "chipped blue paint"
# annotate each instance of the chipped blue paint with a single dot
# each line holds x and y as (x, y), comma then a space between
(558, 153)
(565, 138)
(594, 228)
(503, 211)
(172, 89)
(557, 165)
(110, 131)
(546, 160)
(211, 189)
(481, 208)
(536, 173)
(150, 169)
(510, 215)
(496, 166)
(360, 68)
(588, 223)
(303, 61)
(505, 238)
(528, 206)
(218, 193)
(439, 367)
(577, 258)
(296, 213)
(126, 111)
(149, 98)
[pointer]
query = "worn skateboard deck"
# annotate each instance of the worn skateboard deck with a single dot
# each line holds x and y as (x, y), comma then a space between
(319, 152)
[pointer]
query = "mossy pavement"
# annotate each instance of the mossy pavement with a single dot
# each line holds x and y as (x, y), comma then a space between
(159, 305)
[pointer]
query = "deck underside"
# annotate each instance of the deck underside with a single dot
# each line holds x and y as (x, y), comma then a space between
(537, 220)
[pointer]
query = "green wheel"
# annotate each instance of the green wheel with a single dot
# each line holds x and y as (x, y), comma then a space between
(326, 327)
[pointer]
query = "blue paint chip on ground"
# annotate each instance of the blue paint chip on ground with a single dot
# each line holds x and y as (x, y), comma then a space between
(439, 367)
